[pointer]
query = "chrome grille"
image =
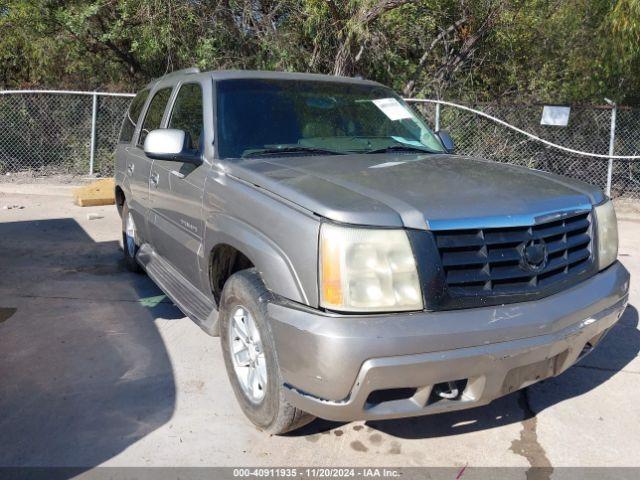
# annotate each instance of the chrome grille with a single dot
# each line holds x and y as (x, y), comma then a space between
(496, 261)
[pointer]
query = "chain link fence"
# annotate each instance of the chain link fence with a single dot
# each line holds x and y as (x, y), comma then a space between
(49, 133)
(588, 130)
(75, 133)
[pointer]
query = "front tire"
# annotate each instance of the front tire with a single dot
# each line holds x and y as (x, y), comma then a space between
(250, 356)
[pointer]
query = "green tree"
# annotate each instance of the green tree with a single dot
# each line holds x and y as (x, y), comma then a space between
(482, 50)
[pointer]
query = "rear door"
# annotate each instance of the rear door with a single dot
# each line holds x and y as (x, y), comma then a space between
(176, 219)
(133, 166)
(139, 167)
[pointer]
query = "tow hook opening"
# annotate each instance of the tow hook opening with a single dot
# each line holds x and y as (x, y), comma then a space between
(586, 349)
(451, 391)
(591, 344)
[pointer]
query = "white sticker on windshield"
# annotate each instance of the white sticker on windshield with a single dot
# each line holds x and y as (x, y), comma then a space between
(392, 108)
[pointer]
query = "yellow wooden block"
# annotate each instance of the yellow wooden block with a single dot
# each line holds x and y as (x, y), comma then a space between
(100, 192)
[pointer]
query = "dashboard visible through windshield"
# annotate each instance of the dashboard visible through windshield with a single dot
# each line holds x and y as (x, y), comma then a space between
(261, 117)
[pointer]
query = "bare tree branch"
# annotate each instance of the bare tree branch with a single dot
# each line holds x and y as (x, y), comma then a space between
(408, 89)
(346, 57)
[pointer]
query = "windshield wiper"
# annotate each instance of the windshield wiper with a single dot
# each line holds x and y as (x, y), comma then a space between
(290, 149)
(400, 148)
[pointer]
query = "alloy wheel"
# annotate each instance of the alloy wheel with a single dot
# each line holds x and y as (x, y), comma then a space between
(247, 354)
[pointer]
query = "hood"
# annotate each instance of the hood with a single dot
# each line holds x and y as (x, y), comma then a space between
(417, 191)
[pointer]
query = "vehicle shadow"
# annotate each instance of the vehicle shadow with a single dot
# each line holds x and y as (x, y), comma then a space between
(84, 370)
(617, 349)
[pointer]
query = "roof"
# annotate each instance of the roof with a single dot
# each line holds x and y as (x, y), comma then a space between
(259, 74)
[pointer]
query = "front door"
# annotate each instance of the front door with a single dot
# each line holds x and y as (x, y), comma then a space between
(176, 190)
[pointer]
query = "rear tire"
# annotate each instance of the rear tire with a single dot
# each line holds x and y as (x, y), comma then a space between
(130, 240)
(243, 308)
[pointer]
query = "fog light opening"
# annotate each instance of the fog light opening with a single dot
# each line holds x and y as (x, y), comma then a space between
(388, 395)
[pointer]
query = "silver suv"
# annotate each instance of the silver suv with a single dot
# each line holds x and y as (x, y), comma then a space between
(353, 266)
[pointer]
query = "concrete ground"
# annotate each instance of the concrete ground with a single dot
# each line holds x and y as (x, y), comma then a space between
(97, 367)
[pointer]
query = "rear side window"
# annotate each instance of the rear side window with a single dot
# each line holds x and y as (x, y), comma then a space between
(131, 118)
(187, 115)
(153, 117)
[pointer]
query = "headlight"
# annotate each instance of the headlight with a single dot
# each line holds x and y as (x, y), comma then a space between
(367, 270)
(607, 239)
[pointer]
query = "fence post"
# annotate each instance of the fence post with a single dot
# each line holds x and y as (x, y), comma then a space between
(92, 148)
(437, 117)
(612, 141)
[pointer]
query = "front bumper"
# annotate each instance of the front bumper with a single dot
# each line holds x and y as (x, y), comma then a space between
(332, 363)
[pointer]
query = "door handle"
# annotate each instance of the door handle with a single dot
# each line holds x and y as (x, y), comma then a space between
(154, 178)
(130, 168)
(177, 173)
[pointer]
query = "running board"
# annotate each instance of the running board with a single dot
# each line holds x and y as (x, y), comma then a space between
(188, 298)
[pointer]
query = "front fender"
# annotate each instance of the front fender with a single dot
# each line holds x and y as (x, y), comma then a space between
(280, 240)
(273, 263)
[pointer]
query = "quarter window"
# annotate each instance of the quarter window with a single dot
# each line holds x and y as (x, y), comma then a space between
(132, 116)
(154, 113)
(187, 115)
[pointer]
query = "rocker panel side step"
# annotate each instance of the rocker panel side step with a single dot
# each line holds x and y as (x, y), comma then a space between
(183, 293)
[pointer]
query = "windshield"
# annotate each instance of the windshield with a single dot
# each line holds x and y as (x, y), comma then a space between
(262, 117)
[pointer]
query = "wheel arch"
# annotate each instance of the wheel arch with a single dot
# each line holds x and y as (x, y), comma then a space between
(120, 198)
(224, 261)
(122, 190)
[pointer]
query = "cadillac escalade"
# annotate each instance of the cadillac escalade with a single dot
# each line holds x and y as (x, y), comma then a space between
(353, 266)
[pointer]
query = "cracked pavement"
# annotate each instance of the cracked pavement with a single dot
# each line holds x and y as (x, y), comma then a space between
(99, 368)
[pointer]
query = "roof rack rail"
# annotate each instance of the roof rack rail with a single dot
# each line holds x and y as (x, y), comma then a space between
(184, 71)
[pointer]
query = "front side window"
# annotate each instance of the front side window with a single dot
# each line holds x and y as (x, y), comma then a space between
(187, 115)
(259, 116)
(132, 115)
(154, 114)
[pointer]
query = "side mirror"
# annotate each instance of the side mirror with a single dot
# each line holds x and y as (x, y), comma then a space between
(170, 144)
(447, 141)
